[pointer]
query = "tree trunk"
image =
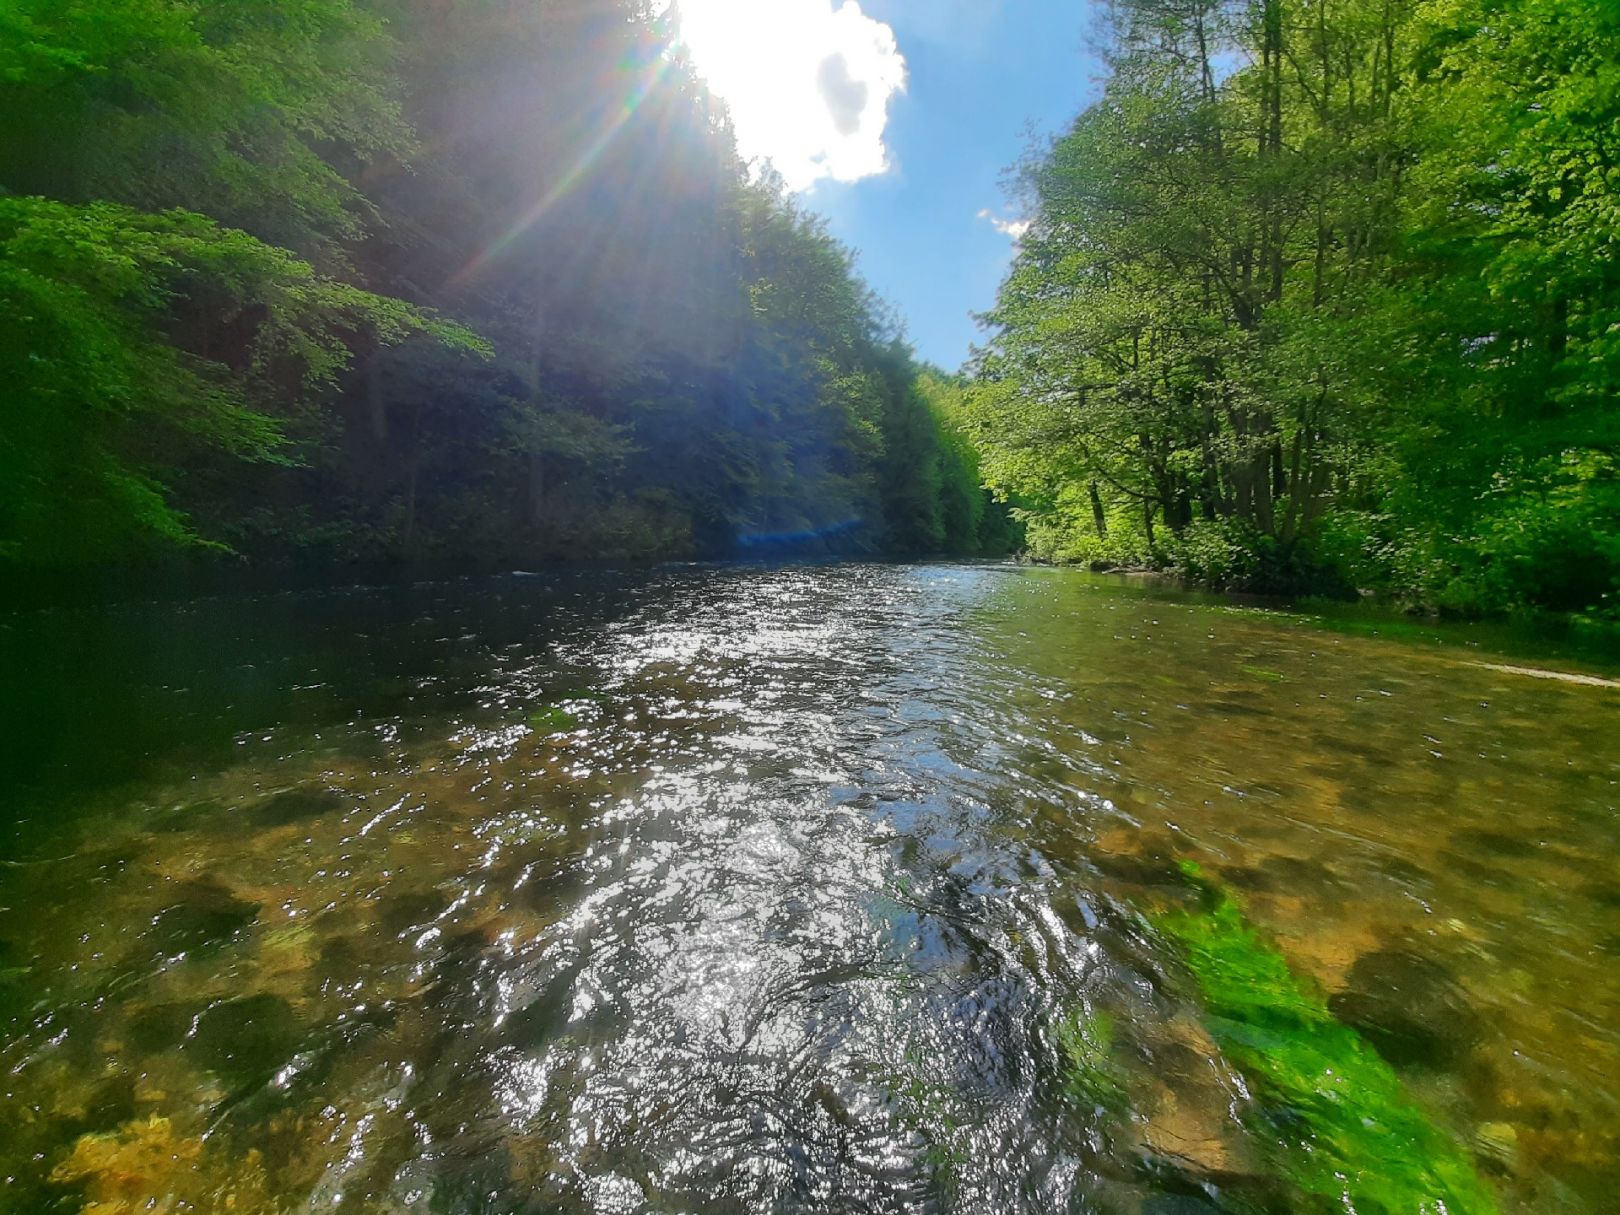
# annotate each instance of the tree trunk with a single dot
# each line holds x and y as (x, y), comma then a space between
(537, 459)
(1265, 518)
(1290, 528)
(376, 401)
(1271, 146)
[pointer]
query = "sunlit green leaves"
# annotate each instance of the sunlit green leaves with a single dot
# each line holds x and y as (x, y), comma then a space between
(130, 341)
(241, 109)
(1343, 309)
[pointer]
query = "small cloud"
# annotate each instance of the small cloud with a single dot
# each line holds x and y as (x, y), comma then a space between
(1015, 228)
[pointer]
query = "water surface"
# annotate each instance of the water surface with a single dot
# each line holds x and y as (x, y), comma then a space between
(772, 889)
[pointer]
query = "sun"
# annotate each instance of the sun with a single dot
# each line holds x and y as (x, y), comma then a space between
(808, 82)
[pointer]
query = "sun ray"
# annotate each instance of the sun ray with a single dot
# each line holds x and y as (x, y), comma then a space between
(650, 77)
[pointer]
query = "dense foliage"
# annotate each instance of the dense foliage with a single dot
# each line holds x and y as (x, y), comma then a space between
(1324, 294)
(363, 279)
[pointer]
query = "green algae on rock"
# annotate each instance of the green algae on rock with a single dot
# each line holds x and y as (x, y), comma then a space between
(1091, 1074)
(148, 1167)
(1333, 1110)
(552, 720)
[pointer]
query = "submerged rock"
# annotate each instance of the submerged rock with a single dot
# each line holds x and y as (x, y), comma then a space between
(1497, 1145)
(1148, 868)
(1409, 1007)
(537, 1025)
(158, 1027)
(549, 898)
(209, 814)
(1282, 875)
(1178, 1204)
(206, 916)
(1494, 843)
(111, 1104)
(1604, 894)
(341, 962)
(245, 1040)
(398, 914)
(148, 1166)
(295, 806)
(14, 981)
(1331, 1113)
(136, 1169)
(1479, 872)
(1196, 1137)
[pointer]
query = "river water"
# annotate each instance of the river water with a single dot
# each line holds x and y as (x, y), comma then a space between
(775, 889)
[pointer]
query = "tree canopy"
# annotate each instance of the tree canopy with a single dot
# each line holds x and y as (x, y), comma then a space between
(1323, 293)
(383, 279)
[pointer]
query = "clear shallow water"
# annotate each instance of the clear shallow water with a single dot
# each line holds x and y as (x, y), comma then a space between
(761, 889)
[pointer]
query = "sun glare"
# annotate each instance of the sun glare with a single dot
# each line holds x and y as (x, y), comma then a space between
(808, 82)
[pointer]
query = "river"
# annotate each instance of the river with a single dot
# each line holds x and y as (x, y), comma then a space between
(858, 888)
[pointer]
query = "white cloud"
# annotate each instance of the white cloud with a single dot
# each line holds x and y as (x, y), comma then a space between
(808, 82)
(1015, 228)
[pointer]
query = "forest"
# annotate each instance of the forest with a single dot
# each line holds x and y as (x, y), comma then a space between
(340, 281)
(1320, 296)
(1323, 295)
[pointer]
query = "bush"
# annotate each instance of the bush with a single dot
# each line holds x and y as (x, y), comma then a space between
(1232, 554)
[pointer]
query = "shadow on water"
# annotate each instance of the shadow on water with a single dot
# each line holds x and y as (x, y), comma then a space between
(815, 888)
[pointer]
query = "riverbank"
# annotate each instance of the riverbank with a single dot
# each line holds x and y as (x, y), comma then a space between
(1581, 636)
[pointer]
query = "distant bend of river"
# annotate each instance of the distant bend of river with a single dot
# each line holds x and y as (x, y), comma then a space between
(782, 888)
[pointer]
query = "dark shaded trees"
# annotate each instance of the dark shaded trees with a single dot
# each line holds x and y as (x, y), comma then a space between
(383, 279)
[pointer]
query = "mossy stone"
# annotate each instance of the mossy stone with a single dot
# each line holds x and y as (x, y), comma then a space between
(1340, 1125)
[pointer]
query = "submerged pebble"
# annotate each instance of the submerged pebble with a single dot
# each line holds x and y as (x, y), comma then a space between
(399, 914)
(1497, 1144)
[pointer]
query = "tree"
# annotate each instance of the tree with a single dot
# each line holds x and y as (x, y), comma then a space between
(275, 227)
(1344, 313)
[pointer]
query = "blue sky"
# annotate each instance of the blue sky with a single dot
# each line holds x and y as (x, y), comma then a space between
(897, 120)
(980, 75)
